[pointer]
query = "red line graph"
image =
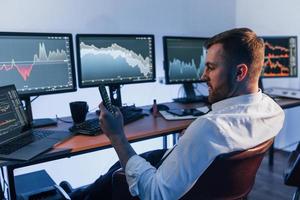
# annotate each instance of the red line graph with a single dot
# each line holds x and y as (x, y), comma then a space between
(24, 70)
(282, 70)
(274, 47)
(41, 57)
(270, 55)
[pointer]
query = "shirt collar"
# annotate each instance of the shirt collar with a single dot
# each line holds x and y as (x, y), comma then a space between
(243, 99)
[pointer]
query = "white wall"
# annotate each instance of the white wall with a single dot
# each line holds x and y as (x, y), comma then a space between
(271, 18)
(169, 17)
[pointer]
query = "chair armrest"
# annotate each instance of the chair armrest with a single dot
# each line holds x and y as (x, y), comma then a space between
(120, 188)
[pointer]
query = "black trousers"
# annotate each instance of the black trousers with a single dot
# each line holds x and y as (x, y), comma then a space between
(101, 189)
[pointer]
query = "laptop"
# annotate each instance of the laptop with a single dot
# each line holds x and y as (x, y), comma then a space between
(18, 141)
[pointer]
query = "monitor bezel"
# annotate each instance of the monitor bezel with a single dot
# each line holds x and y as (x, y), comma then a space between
(166, 63)
(278, 37)
(79, 66)
(44, 34)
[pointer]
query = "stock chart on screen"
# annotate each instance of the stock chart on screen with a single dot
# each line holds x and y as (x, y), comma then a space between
(11, 115)
(115, 59)
(184, 59)
(35, 63)
(280, 57)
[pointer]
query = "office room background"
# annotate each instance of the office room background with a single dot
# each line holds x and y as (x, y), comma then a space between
(199, 18)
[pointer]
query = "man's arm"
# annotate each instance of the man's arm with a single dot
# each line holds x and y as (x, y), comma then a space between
(179, 170)
(112, 127)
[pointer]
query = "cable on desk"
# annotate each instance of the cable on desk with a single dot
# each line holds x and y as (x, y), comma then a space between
(179, 91)
(62, 120)
(95, 108)
(69, 122)
(34, 98)
(203, 85)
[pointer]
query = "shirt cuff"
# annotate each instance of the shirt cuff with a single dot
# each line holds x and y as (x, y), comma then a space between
(135, 166)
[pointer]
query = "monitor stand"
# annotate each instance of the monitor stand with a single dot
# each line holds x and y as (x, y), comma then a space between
(116, 100)
(190, 95)
(130, 113)
(37, 123)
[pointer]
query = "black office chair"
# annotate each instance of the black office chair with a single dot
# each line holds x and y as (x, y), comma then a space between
(292, 172)
(230, 177)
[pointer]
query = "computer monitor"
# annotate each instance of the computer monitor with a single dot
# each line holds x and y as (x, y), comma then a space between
(113, 60)
(280, 57)
(184, 62)
(37, 64)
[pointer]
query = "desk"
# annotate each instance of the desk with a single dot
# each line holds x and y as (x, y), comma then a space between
(148, 127)
(285, 103)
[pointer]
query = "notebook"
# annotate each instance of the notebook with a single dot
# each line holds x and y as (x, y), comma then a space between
(18, 141)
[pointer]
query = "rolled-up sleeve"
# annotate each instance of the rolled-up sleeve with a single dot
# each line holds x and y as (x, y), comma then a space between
(135, 167)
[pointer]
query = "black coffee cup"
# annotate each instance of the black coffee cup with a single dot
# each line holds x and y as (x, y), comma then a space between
(79, 109)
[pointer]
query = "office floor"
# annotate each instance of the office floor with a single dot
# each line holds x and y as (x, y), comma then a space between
(269, 183)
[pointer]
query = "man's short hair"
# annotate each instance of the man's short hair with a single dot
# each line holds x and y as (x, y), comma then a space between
(241, 46)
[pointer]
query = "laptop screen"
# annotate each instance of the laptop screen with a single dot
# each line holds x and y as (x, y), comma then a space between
(13, 119)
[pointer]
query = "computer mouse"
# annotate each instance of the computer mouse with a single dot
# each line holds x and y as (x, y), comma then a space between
(161, 107)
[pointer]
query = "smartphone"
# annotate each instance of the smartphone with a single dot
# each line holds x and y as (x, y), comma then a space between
(106, 100)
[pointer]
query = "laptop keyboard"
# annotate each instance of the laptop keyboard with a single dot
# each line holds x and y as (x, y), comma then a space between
(13, 146)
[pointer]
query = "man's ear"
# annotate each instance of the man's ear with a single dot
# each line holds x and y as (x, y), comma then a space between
(241, 72)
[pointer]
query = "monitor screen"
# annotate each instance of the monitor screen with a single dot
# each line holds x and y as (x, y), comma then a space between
(184, 59)
(115, 59)
(280, 57)
(37, 63)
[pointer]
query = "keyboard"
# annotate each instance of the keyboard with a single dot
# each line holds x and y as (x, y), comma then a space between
(131, 115)
(14, 145)
(88, 127)
(92, 127)
(195, 99)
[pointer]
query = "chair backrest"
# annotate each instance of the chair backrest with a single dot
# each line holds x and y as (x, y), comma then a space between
(230, 176)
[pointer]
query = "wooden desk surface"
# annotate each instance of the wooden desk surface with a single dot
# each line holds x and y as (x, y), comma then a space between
(147, 127)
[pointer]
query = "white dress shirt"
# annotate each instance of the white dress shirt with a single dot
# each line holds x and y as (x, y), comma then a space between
(233, 124)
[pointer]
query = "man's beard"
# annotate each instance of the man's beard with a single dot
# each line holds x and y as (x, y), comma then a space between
(224, 91)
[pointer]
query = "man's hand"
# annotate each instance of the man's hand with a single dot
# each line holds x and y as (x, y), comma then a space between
(112, 126)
